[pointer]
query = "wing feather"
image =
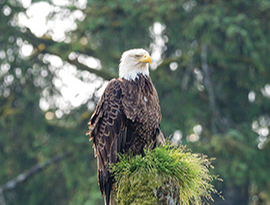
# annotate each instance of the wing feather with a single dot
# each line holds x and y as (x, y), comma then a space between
(108, 128)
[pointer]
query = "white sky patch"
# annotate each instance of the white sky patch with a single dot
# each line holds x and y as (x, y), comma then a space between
(61, 2)
(197, 129)
(76, 87)
(74, 92)
(26, 50)
(81, 4)
(177, 136)
(101, 90)
(251, 96)
(36, 18)
(43, 104)
(193, 138)
(156, 55)
(59, 113)
(6, 10)
(4, 68)
(158, 46)
(173, 66)
(261, 127)
(26, 3)
(266, 91)
(158, 28)
(54, 60)
(38, 11)
(2, 54)
(87, 60)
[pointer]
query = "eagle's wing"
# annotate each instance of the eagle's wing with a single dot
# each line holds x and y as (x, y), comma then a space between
(108, 128)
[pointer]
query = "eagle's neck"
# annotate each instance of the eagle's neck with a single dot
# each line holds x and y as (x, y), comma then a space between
(142, 83)
(132, 71)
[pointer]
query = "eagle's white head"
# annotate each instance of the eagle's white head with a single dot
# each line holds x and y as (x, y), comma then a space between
(134, 62)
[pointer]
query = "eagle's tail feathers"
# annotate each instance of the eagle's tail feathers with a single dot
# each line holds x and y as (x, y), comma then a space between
(108, 188)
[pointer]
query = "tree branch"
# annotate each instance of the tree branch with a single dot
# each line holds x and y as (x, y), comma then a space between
(42, 45)
(209, 88)
(101, 73)
(28, 173)
(186, 77)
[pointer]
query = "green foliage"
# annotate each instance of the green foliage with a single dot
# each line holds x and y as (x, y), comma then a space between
(146, 180)
(236, 34)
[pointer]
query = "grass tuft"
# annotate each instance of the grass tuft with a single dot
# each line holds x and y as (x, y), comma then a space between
(165, 175)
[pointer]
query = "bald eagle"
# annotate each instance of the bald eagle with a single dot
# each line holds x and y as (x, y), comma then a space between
(127, 116)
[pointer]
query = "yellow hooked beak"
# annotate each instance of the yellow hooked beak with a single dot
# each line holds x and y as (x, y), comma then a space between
(145, 59)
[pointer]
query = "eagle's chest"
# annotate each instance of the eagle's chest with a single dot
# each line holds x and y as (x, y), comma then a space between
(147, 112)
(141, 104)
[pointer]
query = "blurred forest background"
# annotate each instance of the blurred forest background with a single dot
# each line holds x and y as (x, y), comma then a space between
(210, 67)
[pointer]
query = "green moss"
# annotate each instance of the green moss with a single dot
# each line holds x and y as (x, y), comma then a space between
(166, 175)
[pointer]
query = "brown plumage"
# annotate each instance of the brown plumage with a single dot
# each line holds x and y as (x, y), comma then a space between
(127, 116)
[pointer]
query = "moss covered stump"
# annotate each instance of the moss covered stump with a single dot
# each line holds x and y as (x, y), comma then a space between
(167, 175)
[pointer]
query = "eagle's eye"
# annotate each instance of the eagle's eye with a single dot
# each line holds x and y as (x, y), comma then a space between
(137, 56)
